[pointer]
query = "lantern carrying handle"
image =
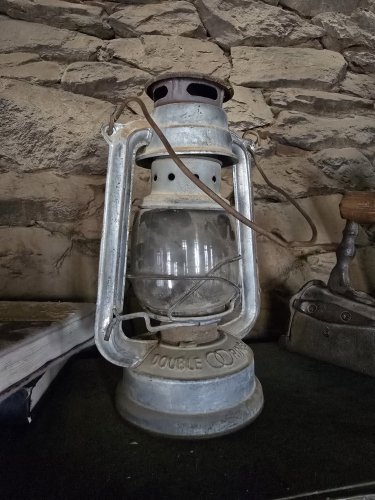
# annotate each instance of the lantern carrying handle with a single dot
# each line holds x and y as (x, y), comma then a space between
(110, 339)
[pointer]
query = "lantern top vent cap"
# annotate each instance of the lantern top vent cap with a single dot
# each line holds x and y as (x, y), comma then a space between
(168, 88)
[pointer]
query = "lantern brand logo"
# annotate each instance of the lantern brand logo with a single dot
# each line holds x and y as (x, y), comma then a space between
(216, 359)
(180, 363)
(222, 357)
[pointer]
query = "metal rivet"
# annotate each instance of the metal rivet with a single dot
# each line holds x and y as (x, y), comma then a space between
(312, 308)
(171, 177)
(346, 316)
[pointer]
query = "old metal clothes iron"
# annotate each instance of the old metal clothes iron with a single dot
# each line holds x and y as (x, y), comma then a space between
(335, 322)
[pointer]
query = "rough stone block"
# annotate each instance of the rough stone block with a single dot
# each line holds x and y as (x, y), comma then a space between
(348, 166)
(312, 267)
(60, 14)
(324, 210)
(360, 85)
(275, 263)
(48, 42)
(287, 67)
(295, 270)
(157, 54)
(367, 5)
(30, 67)
(314, 133)
(247, 109)
(311, 8)
(40, 265)
(318, 102)
(319, 267)
(72, 205)
(51, 203)
(347, 31)
(297, 176)
(360, 62)
(52, 129)
(363, 270)
(169, 18)
(140, 2)
(311, 44)
(327, 172)
(107, 81)
(287, 270)
(253, 23)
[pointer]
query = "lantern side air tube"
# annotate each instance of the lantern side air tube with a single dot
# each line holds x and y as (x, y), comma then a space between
(231, 210)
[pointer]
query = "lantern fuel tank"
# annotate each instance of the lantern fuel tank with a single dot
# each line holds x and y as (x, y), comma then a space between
(191, 265)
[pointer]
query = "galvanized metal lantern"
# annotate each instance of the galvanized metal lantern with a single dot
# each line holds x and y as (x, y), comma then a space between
(192, 267)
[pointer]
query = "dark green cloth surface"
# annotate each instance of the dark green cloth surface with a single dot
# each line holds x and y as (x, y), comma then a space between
(316, 431)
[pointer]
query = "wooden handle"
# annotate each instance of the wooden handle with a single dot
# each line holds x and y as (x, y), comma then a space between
(358, 206)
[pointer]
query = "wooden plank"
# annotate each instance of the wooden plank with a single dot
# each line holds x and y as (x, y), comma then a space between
(40, 311)
(36, 335)
(358, 206)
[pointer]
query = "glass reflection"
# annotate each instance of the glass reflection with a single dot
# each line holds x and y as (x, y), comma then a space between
(183, 243)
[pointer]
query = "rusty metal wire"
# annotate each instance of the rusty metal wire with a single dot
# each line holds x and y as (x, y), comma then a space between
(187, 294)
(231, 210)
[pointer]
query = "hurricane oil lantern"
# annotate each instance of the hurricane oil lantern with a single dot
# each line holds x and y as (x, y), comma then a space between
(191, 265)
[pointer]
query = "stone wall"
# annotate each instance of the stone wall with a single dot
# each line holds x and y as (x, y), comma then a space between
(304, 78)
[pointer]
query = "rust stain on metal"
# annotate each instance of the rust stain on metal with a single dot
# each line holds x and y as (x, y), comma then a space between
(131, 127)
